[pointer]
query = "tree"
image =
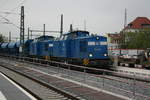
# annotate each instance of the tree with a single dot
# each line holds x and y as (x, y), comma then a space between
(138, 40)
(1, 38)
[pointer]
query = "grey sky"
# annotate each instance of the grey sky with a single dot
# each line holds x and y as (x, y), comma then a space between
(102, 16)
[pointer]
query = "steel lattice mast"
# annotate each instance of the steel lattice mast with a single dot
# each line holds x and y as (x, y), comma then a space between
(22, 30)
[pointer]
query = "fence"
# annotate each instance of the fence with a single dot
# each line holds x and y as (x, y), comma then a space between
(102, 81)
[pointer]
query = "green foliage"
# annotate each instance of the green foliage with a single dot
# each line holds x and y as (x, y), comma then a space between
(139, 40)
(1, 38)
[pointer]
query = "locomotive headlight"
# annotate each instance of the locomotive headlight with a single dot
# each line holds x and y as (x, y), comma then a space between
(90, 55)
(97, 38)
(105, 54)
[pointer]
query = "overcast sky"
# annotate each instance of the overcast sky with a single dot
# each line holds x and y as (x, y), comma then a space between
(102, 16)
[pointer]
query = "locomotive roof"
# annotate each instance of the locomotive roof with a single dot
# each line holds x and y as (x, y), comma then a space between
(78, 31)
(74, 34)
(78, 35)
(91, 36)
(43, 38)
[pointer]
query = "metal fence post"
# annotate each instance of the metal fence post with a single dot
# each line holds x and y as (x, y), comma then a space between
(23, 60)
(134, 90)
(98, 82)
(84, 75)
(18, 58)
(68, 71)
(58, 68)
(47, 62)
(8, 59)
(103, 81)
(40, 61)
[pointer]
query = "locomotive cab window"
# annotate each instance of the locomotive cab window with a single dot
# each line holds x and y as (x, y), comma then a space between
(83, 46)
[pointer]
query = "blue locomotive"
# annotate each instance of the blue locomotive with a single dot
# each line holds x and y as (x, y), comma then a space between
(41, 47)
(77, 47)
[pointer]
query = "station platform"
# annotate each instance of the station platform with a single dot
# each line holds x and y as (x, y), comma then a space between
(62, 79)
(91, 93)
(11, 91)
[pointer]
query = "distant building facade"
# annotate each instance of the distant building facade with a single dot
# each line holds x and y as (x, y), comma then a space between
(113, 40)
(138, 24)
(117, 40)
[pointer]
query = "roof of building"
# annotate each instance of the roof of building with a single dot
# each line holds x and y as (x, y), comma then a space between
(138, 23)
(115, 36)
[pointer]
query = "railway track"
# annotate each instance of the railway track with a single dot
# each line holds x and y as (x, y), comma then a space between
(126, 87)
(75, 90)
(111, 72)
(39, 89)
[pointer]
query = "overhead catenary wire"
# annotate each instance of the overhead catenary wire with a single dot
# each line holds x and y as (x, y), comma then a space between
(7, 12)
(21, 3)
(11, 12)
(9, 22)
(18, 6)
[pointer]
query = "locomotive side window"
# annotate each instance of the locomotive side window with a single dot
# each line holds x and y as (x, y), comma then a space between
(83, 46)
(50, 45)
(103, 43)
(91, 43)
